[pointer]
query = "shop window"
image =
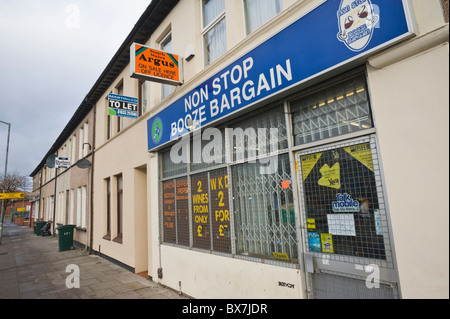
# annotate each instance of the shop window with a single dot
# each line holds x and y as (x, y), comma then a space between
(168, 212)
(260, 134)
(200, 211)
(258, 12)
(214, 29)
(341, 109)
(169, 168)
(220, 210)
(345, 210)
(207, 149)
(211, 211)
(176, 212)
(264, 217)
(182, 209)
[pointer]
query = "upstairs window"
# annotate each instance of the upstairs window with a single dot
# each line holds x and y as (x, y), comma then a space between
(258, 12)
(214, 29)
(166, 45)
(143, 99)
(119, 89)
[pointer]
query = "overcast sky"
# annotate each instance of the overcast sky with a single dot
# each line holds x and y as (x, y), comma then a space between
(51, 54)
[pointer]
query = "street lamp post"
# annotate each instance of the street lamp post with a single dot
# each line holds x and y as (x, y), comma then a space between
(4, 181)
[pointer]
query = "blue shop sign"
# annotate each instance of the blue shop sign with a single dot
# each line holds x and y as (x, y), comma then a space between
(336, 33)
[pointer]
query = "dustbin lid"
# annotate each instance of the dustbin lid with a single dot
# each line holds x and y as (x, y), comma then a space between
(66, 227)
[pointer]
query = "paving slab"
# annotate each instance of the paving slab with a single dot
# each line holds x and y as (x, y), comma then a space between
(31, 267)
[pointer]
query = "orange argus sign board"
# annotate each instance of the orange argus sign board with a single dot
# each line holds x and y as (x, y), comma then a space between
(154, 65)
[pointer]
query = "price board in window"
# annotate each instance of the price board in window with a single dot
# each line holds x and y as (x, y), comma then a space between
(200, 211)
(182, 204)
(220, 211)
(169, 224)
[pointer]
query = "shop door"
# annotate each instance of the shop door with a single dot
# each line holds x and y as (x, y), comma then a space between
(347, 242)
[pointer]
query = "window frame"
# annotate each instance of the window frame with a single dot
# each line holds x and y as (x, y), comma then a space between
(120, 88)
(246, 20)
(141, 94)
(119, 209)
(205, 29)
(164, 41)
(108, 208)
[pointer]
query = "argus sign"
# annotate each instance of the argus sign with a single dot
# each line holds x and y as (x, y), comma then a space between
(154, 65)
(336, 33)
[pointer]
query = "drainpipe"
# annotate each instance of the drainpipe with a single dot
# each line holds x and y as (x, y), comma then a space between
(54, 199)
(40, 194)
(91, 224)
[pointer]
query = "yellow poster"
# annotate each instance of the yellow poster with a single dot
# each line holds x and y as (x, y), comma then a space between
(280, 256)
(331, 176)
(311, 223)
(308, 163)
(327, 243)
(362, 153)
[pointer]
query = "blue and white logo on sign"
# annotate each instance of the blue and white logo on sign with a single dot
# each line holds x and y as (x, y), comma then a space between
(345, 203)
(357, 21)
(157, 130)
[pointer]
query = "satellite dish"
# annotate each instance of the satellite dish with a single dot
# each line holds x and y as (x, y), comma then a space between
(83, 163)
(51, 161)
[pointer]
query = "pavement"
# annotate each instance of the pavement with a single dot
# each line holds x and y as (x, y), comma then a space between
(32, 267)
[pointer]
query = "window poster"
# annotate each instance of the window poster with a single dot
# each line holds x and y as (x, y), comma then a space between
(169, 230)
(182, 211)
(220, 211)
(200, 211)
(341, 197)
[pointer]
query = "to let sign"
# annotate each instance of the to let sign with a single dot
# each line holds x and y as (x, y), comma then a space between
(122, 106)
(62, 162)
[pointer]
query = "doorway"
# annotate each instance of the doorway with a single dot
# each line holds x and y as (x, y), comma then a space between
(140, 220)
(347, 238)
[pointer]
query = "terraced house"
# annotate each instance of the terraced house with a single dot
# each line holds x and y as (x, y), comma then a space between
(266, 149)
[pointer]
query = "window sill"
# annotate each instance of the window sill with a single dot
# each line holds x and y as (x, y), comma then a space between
(118, 239)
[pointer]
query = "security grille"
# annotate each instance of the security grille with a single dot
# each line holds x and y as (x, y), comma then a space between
(338, 110)
(345, 215)
(341, 286)
(264, 212)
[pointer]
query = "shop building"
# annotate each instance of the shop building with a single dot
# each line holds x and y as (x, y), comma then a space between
(286, 162)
